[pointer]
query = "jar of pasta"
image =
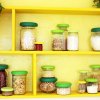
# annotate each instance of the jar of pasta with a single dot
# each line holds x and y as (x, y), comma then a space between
(19, 81)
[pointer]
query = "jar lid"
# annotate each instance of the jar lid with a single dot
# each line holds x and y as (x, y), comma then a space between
(19, 72)
(63, 25)
(46, 79)
(4, 89)
(83, 71)
(57, 31)
(81, 82)
(28, 24)
(92, 80)
(95, 66)
(48, 67)
(3, 66)
(38, 42)
(63, 84)
(97, 29)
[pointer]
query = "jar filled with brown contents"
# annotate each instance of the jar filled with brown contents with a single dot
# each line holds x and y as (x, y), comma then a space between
(47, 85)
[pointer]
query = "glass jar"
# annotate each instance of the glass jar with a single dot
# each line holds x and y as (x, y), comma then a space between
(95, 39)
(48, 71)
(81, 86)
(19, 81)
(64, 27)
(3, 75)
(28, 35)
(63, 88)
(92, 85)
(58, 40)
(72, 41)
(47, 85)
(7, 91)
(38, 46)
(96, 73)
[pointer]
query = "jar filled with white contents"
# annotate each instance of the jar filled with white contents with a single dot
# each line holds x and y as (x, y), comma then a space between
(58, 40)
(27, 37)
(72, 41)
(92, 85)
(95, 39)
(63, 88)
(19, 81)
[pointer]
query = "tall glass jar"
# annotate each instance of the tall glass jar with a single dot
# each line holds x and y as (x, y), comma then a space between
(95, 39)
(28, 35)
(19, 81)
(3, 75)
(58, 40)
(64, 27)
(72, 41)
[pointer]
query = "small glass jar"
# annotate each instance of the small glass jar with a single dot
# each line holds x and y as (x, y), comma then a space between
(64, 27)
(38, 46)
(58, 40)
(63, 88)
(95, 39)
(48, 71)
(19, 81)
(72, 41)
(47, 85)
(7, 91)
(3, 75)
(28, 38)
(81, 87)
(92, 85)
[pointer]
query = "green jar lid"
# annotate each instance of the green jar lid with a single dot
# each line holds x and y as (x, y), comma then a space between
(63, 25)
(28, 24)
(19, 72)
(83, 71)
(95, 29)
(3, 66)
(48, 67)
(7, 89)
(57, 31)
(92, 80)
(95, 66)
(63, 84)
(46, 79)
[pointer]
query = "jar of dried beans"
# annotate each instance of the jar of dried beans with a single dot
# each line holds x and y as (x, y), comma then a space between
(58, 40)
(19, 81)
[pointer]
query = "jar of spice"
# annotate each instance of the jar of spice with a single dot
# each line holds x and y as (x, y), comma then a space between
(58, 40)
(47, 85)
(92, 85)
(95, 39)
(72, 41)
(63, 88)
(81, 86)
(38, 46)
(48, 71)
(19, 81)
(3, 75)
(28, 35)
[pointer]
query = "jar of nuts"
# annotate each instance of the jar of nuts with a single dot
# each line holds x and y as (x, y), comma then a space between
(19, 81)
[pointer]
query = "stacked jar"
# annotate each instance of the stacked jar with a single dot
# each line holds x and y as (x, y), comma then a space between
(48, 79)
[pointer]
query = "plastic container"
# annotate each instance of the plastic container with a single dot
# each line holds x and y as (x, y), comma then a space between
(95, 39)
(58, 40)
(19, 81)
(38, 46)
(3, 75)
(63, 88)
(64, 27)
(72, 41)
(28, 35)
(92, 85)
(81, 87)
(47, 85)
(7, 91)
(48, 71)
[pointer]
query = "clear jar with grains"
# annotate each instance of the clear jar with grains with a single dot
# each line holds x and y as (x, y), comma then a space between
(27, 37)
(95, 39)
(58, 40)
(47, 85)
(19, 81)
